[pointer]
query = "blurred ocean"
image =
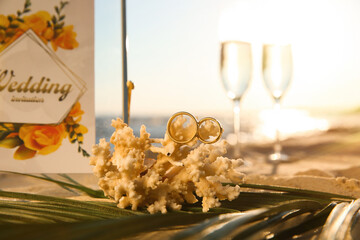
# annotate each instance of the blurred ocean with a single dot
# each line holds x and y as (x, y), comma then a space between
(155, 126)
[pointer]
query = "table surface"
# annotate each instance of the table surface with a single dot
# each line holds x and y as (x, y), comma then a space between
(328, 155)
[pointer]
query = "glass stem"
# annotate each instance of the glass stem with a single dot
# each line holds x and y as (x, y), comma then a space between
(236, 110)
(277, 145)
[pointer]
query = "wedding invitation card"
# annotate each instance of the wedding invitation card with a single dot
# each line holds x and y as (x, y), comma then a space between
(47, 119)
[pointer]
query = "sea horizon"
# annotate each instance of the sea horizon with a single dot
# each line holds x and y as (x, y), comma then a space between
(255, 126)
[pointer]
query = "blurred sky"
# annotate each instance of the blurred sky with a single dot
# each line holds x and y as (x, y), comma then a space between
(173, 54)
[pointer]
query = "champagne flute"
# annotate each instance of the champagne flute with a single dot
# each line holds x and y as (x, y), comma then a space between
(236, 72)
(277, 74)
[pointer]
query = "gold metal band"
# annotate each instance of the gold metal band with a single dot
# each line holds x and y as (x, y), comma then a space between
(196, 133)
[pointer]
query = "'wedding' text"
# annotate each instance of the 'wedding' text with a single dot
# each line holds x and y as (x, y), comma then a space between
(7, 81)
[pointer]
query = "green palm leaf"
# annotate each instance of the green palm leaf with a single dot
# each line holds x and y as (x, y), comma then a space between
(273, 213)
(71, 205)
(112, 228)
(310, 223)
(297, 191)
(72, 185)
(340, 220)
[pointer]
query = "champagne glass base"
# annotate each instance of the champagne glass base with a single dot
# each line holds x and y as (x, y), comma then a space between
(275, 159)
(278, 158)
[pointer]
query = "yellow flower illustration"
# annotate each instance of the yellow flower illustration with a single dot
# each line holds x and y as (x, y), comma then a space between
(4, 21)
(12, 139)
(50, 28)
(48, 33)
(75, 129)
(7, 127)
(43, 139)
(10, 142)
(10, 34)
(75, 113)
(23, 153)
(79, 131)
(2, 35)
(66, 39)
(38, 22)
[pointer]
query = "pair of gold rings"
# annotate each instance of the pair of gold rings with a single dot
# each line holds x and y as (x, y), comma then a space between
(183, 127)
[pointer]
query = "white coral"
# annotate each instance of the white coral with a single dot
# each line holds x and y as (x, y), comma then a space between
(175, 176)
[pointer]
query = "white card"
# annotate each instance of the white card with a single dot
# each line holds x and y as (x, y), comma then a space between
(47, 119)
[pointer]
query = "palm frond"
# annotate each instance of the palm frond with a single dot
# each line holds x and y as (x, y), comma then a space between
(73, 185)
(112, 228)
(311, 223)
(272, 213)
(297, 191)
(209, 223)
(54, 181)
(69, 205)
(340, 220)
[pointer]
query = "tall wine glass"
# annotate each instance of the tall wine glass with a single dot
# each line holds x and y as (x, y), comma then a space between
(236, 72)
(277, 74)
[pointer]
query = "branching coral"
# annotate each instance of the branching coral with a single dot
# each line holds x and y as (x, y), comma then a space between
(179, 173)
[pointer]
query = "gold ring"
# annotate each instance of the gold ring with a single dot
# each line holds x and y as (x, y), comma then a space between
(168, 129)
(221, 130)
(198, 125)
